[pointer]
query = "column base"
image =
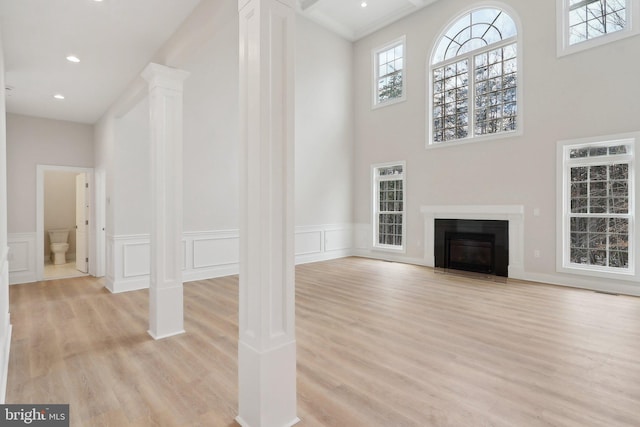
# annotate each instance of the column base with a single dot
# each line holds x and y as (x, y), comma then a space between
(245, 424)
(166, 312)
(267, 386)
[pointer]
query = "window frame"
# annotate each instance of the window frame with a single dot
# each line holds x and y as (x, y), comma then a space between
(563, 179)
(517, 39)
(632, 28)
(375, 181)
(375, 68)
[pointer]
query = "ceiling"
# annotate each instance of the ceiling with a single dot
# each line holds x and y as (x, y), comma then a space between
(352, 21)
(115, 39)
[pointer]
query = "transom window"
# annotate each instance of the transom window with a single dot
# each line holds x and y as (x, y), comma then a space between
(474, 78)
(389, 212)
(389, 81)
(594, 18)
(598, 206)
(586, 23)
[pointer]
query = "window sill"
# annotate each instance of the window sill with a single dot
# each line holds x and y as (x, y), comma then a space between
(390, 249)
(388, 102)
(566, 50)
(472, 140)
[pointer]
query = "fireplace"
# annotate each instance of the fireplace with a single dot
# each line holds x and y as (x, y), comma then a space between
(478, 246)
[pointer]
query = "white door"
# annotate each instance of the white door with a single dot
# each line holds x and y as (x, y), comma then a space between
(82, 223)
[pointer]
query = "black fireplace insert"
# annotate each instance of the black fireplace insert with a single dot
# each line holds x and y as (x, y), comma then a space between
(479, 246)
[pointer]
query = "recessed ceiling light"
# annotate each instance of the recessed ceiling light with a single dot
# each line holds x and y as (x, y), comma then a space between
(363, 4)
(58, 96)
(73, 58)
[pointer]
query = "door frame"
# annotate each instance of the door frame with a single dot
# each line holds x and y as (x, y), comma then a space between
(91, 240)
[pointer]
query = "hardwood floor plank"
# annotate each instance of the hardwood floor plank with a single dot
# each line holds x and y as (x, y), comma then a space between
(379, 344)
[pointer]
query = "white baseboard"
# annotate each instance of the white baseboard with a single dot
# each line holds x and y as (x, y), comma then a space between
(388, 256)
(623, 288)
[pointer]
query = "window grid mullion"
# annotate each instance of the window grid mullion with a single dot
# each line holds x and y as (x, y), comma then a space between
(471, 99)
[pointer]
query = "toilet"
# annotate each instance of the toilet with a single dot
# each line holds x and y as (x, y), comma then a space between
(59, 245)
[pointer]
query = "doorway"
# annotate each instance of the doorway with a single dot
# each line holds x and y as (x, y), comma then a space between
(64, 212)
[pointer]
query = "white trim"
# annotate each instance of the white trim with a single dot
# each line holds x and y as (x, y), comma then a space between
(562, 252)
(93, 226)
(323, 242)
(211, 254)
(519, 88)
(160, 337)
(512, 213)
(375, 180)
(563, 48)
(402, 40)
(593, 284)
(22, 258)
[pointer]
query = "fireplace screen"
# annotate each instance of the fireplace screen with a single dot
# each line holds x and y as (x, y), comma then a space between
(471, 252)
(480, 246)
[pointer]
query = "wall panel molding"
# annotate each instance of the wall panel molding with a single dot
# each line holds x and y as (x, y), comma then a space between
(22, 258)
(210, 254)
(323, 242)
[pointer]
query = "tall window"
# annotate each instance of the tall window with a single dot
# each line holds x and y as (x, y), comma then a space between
(586, 23)
(598, 206)
(389, 223)
(474, 78)
(389, 81)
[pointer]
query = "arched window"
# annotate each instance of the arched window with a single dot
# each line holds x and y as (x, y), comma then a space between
(474, 77)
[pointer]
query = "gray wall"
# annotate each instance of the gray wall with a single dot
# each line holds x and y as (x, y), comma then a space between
(591, 93)
(32, 141)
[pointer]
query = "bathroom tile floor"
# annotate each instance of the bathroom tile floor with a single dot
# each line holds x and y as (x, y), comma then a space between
(61, 271)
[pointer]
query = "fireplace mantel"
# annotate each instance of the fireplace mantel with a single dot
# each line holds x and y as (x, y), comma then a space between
(512, 213)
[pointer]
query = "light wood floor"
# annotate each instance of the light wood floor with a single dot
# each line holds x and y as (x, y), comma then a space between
(379, 344)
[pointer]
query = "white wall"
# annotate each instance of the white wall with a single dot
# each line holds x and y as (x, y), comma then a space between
(211, 126)
(324, 126)
(32, 141)
(586, 94)
(130, 197)
(60, 208)
(207, 46)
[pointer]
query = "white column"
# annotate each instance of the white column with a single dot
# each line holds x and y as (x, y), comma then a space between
(5, 325)
(267, 347)
(166, 317)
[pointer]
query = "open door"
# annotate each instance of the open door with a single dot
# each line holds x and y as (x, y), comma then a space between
(82, 223)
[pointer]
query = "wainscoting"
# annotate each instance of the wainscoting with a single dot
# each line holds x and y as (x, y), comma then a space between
(211, 254)
(22, 258)
(5, 326)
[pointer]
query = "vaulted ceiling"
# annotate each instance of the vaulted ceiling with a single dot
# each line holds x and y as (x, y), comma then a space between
(353, 21)
(115, 39)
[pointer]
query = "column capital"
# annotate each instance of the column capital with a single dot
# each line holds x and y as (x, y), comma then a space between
(159, 75)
